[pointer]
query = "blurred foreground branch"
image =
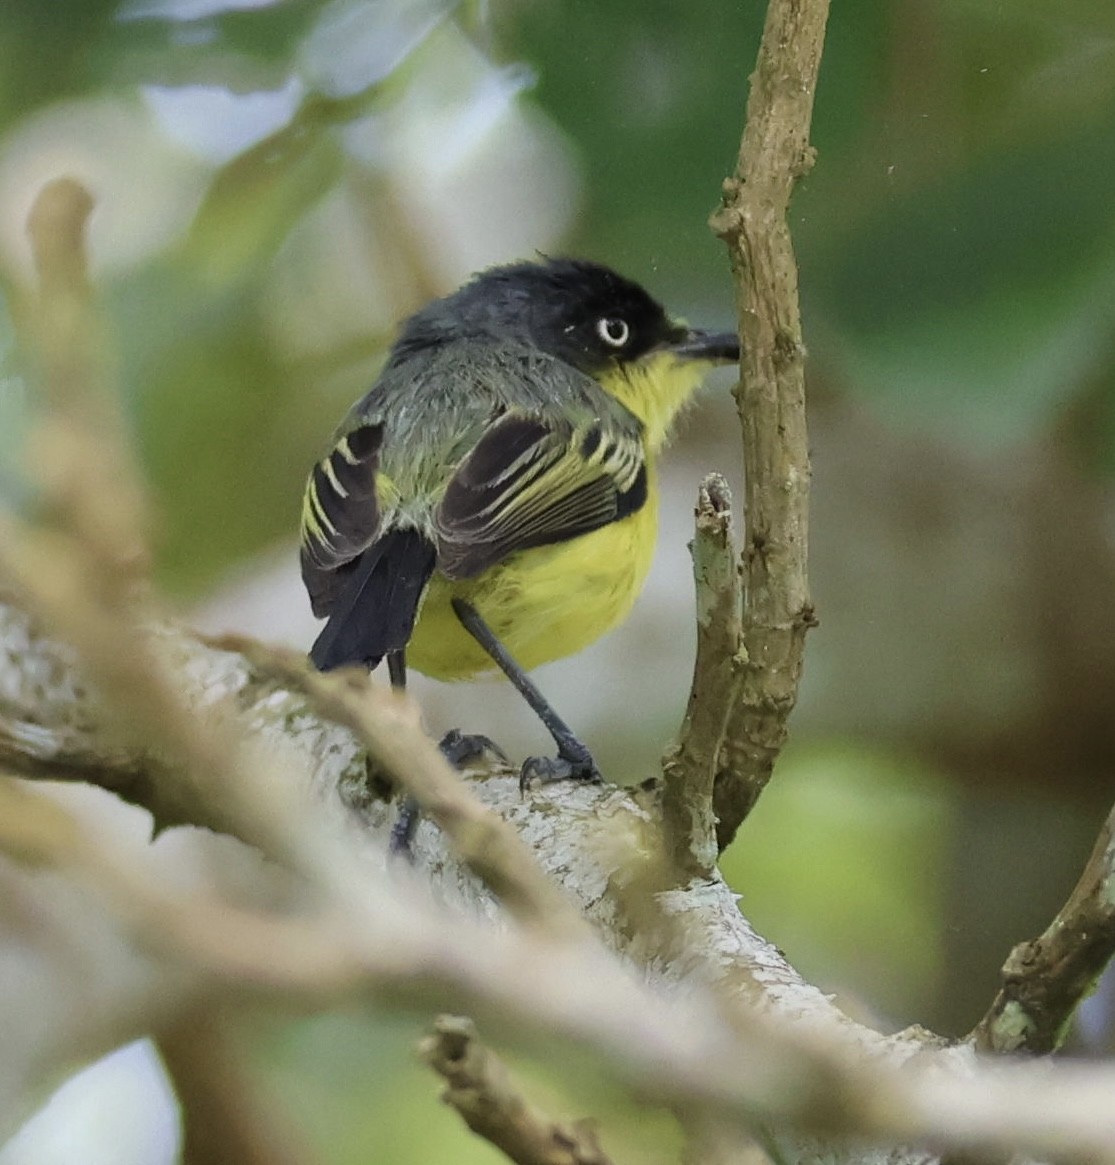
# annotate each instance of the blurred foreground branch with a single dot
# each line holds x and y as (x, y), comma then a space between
(389, 725)
(747, 1039)
(224, 1121)
(480, 1088)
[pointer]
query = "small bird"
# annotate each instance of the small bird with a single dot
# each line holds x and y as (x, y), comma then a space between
(491, 502)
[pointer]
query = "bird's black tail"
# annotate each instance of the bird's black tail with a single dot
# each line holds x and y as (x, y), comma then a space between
(375, 613)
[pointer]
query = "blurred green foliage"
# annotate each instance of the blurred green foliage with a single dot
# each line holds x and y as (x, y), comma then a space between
(399, 1118)
(956, 242)
(877, 826)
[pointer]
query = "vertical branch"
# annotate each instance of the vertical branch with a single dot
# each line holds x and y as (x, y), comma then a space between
(777, 612)
(79, 452)
(689, 767)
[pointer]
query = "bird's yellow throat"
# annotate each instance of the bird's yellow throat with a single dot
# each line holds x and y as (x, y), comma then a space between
(656, 389)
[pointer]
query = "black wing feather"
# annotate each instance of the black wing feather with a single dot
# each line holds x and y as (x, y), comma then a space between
(375, 612)
(340, 514)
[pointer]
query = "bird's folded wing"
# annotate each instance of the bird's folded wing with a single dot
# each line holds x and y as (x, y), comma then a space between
(340, 515)
(530, 482)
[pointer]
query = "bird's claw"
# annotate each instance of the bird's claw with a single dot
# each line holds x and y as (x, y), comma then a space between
(460, 747)
(546, 769)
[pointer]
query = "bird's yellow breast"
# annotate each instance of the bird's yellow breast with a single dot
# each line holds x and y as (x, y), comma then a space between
(542, 603)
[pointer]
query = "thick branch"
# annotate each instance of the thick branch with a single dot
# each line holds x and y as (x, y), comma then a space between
(585, 836)
(789, 1058)
(590, 838)
(389, 724)
(1045, 980)
(774, 153)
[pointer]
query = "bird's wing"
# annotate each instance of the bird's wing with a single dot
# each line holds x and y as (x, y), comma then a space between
(340, 513)
(535, 452)
(533, 480)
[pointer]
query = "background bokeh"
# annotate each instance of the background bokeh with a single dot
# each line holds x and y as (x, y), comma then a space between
(278, 182)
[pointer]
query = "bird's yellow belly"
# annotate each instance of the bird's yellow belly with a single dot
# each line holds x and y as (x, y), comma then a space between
(543, 603)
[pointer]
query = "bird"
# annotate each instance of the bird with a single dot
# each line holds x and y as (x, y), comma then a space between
(490, 503)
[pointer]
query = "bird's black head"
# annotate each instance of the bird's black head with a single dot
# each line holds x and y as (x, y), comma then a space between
(581, 312)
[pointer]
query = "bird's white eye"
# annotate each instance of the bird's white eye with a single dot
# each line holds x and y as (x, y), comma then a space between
(613, 331)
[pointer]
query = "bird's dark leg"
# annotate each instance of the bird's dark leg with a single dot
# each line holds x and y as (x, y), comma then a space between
(455, 746)
(573, 759)
(397, 669)
(402, 832)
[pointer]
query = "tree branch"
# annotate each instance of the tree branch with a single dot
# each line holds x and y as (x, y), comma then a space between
(197, 728)
(1045, 980)
(480, 1088)
(774, 153)
(746, 1040)
(689, 767)
(389, 725)
(223, 1119)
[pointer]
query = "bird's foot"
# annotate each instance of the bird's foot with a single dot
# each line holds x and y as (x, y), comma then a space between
(402, 832)
(460, 747)
(573, 763)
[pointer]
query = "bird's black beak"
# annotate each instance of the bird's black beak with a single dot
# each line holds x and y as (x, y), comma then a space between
(716, 347)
